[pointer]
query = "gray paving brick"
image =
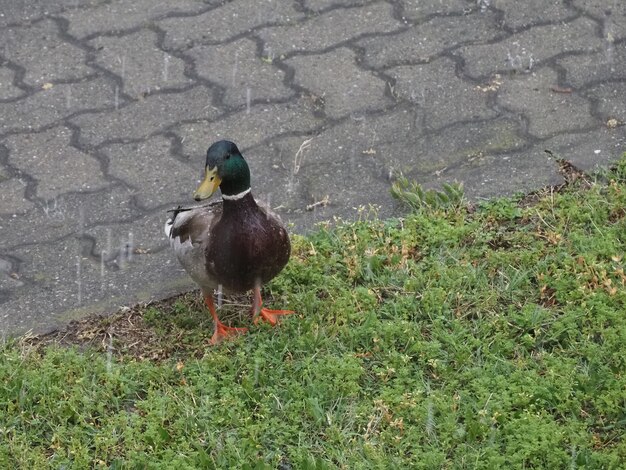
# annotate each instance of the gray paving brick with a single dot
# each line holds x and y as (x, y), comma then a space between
(139, 62)
(65, 273)
(590, 150)
(14, 11)
(441, 96)
(423, 156)
(57, 167)
(157, 177)
(582, 70)
(358, 138)
(310, 174)
(7, 89)
(8, 282)
(523, 51)
(227, 21)
(119, 15)
(147, 116)
(12, 200)
(31, 47)
(364, 166)
(319, 5)
(422, 42)
(611, 14)
(609, 100)
(50, 106)
(261, 124)
(488, 175)
(301, 190)
(328, 29)
(518, 15)
(230, 66)
(66, 215)
(418, 10)
(548, 112)
(343, 87)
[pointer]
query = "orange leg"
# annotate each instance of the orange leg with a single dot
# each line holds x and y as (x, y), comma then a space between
(221, 331)
(270, 316)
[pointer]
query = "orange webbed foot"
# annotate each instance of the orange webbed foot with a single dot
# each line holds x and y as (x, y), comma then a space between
(271, 316)
(267, 315)
(223, 332)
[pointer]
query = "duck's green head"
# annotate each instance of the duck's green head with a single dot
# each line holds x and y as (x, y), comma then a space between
(225, 169)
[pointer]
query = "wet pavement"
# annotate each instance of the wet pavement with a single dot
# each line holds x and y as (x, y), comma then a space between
(107, 109)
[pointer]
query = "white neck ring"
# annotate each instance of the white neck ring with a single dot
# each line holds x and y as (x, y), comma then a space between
(236, 197)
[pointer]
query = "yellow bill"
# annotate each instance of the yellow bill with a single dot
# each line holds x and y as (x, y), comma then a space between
(209, 184)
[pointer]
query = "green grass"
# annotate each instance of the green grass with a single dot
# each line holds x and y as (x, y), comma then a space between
(459, 336)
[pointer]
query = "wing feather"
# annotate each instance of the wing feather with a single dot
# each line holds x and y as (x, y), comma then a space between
(189, 233)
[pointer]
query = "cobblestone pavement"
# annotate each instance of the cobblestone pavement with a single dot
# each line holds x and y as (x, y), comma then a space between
(107, 108)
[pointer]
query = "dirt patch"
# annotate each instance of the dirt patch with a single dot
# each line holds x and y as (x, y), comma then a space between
(155, 331)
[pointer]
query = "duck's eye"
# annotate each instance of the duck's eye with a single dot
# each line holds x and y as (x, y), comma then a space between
(227, 156)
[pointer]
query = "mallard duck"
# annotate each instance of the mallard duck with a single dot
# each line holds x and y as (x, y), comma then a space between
(236, 243)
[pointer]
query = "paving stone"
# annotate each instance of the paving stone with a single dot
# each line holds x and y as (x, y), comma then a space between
(7, 284)
(348, 152)
(590, 150)
(609, 96)
(319, 5)
(329, 29)
(46, 107)
(486, 176)
(26, 11)
(582, 70)
(548, 112)
(141, 118)
(69, 213)
(7, 89)
(122, 244)
(523, 51)
(343, 87)
(372, 150)
(12, 200)
(310, 197)
(418, 10)
(366, 153)
(355, 172)
(263, 123)
(31, 47)
(66, 274)
(119, 15)
(518, 15)
(441, 96)
(611, 13)
(56, 166)
(424, 155)
(142, 66)
(421, 42)
(356, 138)
(243, 74)
(227, 21)
(157, 177)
